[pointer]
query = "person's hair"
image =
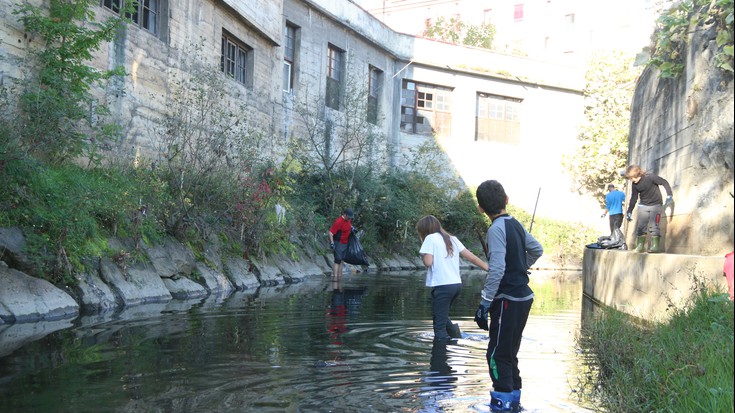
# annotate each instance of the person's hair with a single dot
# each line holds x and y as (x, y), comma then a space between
(634, 171)
(429, 224)
(491, 197)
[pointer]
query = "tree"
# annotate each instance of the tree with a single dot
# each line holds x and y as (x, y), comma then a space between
(61, 118)
(339, 144)
(209, 154)
(603, 149)
(458, 32)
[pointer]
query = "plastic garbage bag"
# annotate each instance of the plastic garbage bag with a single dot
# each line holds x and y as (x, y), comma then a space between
(355, 255)
(615, 241)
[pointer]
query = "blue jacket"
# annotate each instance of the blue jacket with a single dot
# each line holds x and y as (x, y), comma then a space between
(614, 202)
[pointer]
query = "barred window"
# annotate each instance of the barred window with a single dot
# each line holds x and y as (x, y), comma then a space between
(145, 13)
(426, 109)
(289, 56)
(335, 62)
(498, 119)
(235, 60)
(375, 85)
(518, 12)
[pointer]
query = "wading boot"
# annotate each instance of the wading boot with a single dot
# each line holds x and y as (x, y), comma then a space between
(640, 243)
(501, 401)
(655, 244)
(515, 405)
(453, 330)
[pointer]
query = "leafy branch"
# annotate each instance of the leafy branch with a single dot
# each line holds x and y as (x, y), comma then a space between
(672, 33)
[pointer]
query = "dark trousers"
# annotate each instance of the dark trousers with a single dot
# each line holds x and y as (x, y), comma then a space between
(442, 297)
(616, 221)
(507, 321)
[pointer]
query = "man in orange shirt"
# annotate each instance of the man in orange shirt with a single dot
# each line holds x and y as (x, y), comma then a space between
(342, 226)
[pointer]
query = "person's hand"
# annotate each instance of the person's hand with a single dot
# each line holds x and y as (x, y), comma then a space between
(669, 201)
(628, 216)
(481, 316)
(603, 215)
(331, 245)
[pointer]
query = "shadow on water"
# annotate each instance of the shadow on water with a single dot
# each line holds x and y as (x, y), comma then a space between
(360, 345)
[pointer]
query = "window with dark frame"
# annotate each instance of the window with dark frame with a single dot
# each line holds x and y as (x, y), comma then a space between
(145, 13)
(289, 56)
(487, 16)
(498, 119)
(334, 76)
(426, 109)
(518, 12)
(569, 23)
(234, 60)
(375, 84)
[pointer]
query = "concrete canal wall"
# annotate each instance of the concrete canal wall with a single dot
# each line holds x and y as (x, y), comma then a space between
(681, 128)
(647, 286)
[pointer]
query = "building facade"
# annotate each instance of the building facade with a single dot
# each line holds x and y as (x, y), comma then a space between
(495, 115)
(553, 30)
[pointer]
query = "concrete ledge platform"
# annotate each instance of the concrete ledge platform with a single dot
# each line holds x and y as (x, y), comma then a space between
(647, 285)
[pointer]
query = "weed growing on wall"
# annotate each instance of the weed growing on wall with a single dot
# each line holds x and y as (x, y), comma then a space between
(674, 27)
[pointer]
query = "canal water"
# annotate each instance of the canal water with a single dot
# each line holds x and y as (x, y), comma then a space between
(361, 345)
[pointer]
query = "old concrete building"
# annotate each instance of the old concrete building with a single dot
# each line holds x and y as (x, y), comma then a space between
(496, 115)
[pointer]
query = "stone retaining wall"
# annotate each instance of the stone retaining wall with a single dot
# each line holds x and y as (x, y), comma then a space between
(645, 285)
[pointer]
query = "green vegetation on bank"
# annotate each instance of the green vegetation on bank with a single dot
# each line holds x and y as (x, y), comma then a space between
(683, 365)
(68, 213)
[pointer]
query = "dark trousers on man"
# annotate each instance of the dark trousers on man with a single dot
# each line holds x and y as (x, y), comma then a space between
(507, 321)
(616, 221)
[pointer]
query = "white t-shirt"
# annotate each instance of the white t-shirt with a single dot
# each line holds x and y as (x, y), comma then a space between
(445, 269)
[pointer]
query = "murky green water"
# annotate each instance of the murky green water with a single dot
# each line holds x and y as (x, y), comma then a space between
(362, 346)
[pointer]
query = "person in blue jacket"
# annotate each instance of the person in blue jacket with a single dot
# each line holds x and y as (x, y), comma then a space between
(614, 201)
(506, 296)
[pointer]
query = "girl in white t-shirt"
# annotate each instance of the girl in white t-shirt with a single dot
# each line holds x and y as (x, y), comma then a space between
(440, 252)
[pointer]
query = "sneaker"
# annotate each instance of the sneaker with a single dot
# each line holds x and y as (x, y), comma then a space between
(501, 401)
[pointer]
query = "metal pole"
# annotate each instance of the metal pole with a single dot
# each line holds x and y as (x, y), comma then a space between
(530, 228)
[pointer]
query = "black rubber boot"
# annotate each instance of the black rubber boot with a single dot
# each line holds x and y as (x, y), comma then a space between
(453, 330)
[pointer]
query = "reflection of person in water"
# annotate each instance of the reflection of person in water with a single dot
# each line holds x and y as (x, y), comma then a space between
(440, 359)
(440, 382)
(337, 312)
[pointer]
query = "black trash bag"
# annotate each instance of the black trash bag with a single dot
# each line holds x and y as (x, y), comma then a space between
(355, 255)
(614, 241)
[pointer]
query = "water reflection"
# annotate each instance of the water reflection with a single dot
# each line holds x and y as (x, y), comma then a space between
(360, 344)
